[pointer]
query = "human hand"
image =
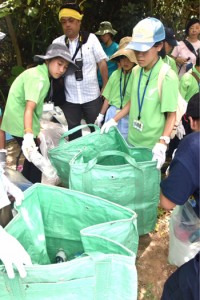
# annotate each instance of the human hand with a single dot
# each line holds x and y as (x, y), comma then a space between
(159, 154)
(106, 126)
(182, 60)
(13, 190)
(180, 131)
(12, 252)
(99, 120)
(28, 145)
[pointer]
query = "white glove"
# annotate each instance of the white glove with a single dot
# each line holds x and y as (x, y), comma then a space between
(12, 189)
(12, 252)
(180, 131)
(28, 145)
(99, 120)
(3, 153)
(106, 126)
(159, 154)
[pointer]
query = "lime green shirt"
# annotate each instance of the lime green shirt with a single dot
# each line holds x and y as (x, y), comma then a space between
(153, 109)
(112, 89)
(33, 84)
(188, 84)
(171, 62)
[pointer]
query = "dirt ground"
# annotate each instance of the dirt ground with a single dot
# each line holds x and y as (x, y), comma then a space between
(152, 266)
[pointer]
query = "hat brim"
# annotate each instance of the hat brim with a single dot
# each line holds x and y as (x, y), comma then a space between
(172, 42)
(40, 58)
(102, 32)
(139, 46)
(124, 52)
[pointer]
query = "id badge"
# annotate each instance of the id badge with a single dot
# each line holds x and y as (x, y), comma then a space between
(117, 111)
(138, 125)
(48, 106)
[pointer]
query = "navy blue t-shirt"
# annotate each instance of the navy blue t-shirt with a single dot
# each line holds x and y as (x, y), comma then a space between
(183, 179)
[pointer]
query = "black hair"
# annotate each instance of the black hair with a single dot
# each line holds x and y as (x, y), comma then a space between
(193, 108)
(73, 6)
(189, 24)
(162, 53)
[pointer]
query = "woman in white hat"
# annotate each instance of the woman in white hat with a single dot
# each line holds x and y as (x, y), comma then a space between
(25, 102)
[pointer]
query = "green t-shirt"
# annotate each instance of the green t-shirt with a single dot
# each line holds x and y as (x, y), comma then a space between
(171, 62)
(153, 108)
(112, 89)
(33, 84)
(188, 84)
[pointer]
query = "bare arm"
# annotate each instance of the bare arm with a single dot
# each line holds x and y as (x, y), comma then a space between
(123, 112)
(169, 125)
(104, 107)
(165, 202)
(28, 116)
(2, 137)
(103, 68)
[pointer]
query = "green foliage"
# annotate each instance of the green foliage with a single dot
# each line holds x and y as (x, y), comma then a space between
(36, 24)
(15, 71)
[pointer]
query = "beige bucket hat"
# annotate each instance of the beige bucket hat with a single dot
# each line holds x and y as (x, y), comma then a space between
(124, 52)
(105, 27)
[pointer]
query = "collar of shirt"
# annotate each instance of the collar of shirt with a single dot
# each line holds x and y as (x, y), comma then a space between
(73, 44)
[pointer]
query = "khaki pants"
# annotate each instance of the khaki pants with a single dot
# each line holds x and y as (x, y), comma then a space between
(5, 215)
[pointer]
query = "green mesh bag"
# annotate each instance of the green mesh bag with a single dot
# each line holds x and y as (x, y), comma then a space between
(51, 218)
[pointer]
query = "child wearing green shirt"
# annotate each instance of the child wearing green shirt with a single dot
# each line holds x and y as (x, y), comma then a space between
(190, 81)
(115, 92)
(151, 119)
(25, 101)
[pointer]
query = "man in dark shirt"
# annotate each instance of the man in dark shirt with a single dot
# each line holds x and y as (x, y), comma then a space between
(182, 182)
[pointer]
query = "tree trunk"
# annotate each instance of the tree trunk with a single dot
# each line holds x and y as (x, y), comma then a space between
(14, 40)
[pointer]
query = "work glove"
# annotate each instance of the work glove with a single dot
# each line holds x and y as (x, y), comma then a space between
(180, 131)
(13, 190)
(3, 153)
(12, 252)
(99, 120)
(159, 154)
(28, 145)
(106, 126)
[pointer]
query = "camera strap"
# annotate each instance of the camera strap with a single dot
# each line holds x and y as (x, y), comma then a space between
(83, 37)
(78, 47)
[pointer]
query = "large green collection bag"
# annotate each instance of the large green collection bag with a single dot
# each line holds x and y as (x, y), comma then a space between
(94, 143)
(51, 218)
(125, 179)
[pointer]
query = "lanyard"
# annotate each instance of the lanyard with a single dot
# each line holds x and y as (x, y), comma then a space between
(140, 103)
(125, 86)
(78, 46)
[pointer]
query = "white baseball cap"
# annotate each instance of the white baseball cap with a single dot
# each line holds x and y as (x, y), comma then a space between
(146, 33)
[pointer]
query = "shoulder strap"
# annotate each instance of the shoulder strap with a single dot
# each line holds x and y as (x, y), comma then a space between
(85, 36)
(135, 69)
(190, 47)
(163, 71)
(196, 77)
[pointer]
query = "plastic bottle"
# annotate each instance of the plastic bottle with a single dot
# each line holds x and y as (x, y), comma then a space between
(43, 164)
(61, 256)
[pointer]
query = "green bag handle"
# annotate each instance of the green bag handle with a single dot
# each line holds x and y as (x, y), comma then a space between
(127, 157)
(71, 131)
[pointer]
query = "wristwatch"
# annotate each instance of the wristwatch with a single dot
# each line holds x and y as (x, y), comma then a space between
(165, 138)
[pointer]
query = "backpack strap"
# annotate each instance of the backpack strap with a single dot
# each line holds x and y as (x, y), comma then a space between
(196, 77)
(163, 71)
(135, 69)
(190, 47)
